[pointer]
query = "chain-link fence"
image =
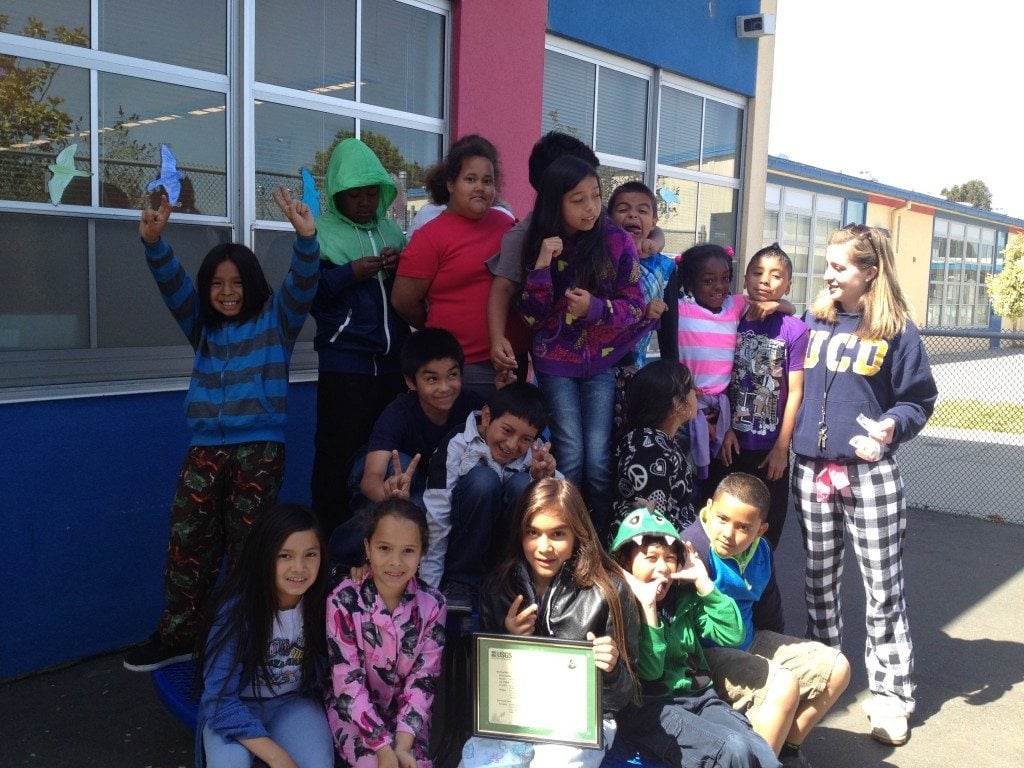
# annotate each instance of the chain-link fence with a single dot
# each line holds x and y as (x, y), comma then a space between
(970, 458)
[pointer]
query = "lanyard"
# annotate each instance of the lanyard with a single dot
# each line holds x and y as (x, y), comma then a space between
(822, 425)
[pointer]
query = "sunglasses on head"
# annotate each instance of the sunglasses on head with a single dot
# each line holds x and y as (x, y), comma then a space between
(863, 232)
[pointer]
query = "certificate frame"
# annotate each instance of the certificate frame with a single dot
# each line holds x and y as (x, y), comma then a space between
(537, 689)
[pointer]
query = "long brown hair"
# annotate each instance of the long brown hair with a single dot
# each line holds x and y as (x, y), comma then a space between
(591, 565)
(884, 311)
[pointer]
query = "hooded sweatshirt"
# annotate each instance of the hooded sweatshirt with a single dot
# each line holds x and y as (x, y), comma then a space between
(356, 329)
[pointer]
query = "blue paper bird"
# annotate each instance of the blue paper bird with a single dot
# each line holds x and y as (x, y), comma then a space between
(170, 178)
(310, 194)
(63, 170)
(668, 195)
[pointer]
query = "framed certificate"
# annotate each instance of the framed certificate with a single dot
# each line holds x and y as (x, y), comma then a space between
(536, 689)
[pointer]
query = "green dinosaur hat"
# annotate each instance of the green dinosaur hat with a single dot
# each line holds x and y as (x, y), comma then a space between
(644, 522)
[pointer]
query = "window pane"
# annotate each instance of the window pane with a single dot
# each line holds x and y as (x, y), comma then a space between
(830, 206)
(129, 309)
(274, 249)
(287, 140)
(44, 303)
(770, 233)
(855, 212)
(772, 196)
(406, 154)
(73, 15)
(723, 127)
(142, 28)
(716, 220)
(612, 177)
(677, 213)
(679, 129)
(568, 96)
(798, 292)
(403, 57)
(325, 33)
(621, 114)
(136, 116)
(44, 108)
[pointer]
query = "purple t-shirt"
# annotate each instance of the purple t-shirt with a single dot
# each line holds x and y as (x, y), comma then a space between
(766, 352)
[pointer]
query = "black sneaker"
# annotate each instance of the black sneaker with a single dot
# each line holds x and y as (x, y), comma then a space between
(795, 760)
(461, 598)
(153, 654)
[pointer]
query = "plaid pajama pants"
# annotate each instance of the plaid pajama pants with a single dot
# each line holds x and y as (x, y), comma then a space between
(221, 491)
(873, 510)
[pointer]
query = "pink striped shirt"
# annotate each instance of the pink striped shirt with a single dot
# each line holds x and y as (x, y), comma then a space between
(707, 341)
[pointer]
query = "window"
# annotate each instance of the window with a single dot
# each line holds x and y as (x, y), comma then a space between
(801, 221)
(962, 257)
(694, 164)
(79, 306)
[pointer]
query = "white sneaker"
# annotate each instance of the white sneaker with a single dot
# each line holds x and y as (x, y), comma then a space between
(889, 720)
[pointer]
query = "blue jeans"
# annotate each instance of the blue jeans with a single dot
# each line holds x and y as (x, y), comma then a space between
(581, 435)
(481, 516)
(345, 544)
(297, 723)
(694, 732)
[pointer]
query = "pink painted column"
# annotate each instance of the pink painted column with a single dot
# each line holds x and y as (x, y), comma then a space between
(498, 83)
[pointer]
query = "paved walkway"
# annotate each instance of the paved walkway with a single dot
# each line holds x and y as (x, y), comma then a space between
(965, 586)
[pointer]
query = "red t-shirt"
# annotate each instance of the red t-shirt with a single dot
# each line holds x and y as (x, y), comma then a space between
(450, 251)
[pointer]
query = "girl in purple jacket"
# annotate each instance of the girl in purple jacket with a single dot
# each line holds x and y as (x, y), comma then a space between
(585, 307)
(385, 637)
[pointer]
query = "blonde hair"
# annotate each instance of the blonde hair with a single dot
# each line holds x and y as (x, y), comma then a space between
(884, 310)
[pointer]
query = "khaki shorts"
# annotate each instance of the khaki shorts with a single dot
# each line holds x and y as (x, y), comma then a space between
(743, 677)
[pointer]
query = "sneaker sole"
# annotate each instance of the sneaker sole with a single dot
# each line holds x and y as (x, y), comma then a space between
(883, 736)
(152, 667)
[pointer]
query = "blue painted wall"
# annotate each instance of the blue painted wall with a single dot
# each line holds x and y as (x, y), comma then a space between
(84, 510)
(696, 38)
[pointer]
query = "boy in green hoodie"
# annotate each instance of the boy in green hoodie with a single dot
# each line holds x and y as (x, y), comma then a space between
(358, 335)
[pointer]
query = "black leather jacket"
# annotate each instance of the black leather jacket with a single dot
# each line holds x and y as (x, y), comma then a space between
(570, 612)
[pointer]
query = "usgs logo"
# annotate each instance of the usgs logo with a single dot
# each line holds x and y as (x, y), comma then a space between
(501, 655)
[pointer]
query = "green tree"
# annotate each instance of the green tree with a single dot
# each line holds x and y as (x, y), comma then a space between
(390, 156)
(1006, 289)
(974, 192)
(30, 115)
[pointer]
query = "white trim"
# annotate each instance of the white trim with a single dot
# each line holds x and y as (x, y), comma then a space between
(319, 102)
(595, 56)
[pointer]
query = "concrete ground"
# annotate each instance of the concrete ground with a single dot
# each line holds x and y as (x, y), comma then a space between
(965, 580)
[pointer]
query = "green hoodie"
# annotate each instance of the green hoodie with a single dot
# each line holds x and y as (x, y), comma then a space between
(342, 240)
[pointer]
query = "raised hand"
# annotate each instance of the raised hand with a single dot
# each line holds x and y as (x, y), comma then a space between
(694, 571)
(152, 223)
(296, 211)
(542, 463)
(520, 622)
(550, 248)
(399, 484)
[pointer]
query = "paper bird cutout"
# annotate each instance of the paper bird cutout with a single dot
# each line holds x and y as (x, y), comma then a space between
(63, 170)
(170, 178)
(310, 194)
(668, 195)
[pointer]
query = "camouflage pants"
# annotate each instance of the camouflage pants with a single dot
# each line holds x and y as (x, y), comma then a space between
(221, 491)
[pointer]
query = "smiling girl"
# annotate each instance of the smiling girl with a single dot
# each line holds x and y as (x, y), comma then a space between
(261, 665)
(584, 305)
(557, 581)
(385, 636)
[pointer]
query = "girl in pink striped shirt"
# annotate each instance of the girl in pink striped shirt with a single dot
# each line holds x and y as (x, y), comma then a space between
(709, 316)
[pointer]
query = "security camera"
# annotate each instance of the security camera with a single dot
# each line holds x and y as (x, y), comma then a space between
(757, 25)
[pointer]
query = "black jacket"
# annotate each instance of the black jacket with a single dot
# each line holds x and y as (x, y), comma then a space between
(570, 612)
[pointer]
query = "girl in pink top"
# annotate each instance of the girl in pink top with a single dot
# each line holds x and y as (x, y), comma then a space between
(385, 636)
(708, 320)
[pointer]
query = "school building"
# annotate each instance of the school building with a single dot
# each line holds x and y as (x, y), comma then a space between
(248, 93)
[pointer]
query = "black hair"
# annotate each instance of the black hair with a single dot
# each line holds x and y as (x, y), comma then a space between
(653, 391)
(255, 289)
(402, 509)
(553, 145)
(747, 489)
(592, 262)
(773, 251)
(449, 168)
(246, 604)
(523, 400)
(694, 258)
(633, 186)
(427, 345)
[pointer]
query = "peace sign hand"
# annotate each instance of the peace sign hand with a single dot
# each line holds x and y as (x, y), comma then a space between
(152, 223)
(398, 484)
(542, 463)
(296, 211)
